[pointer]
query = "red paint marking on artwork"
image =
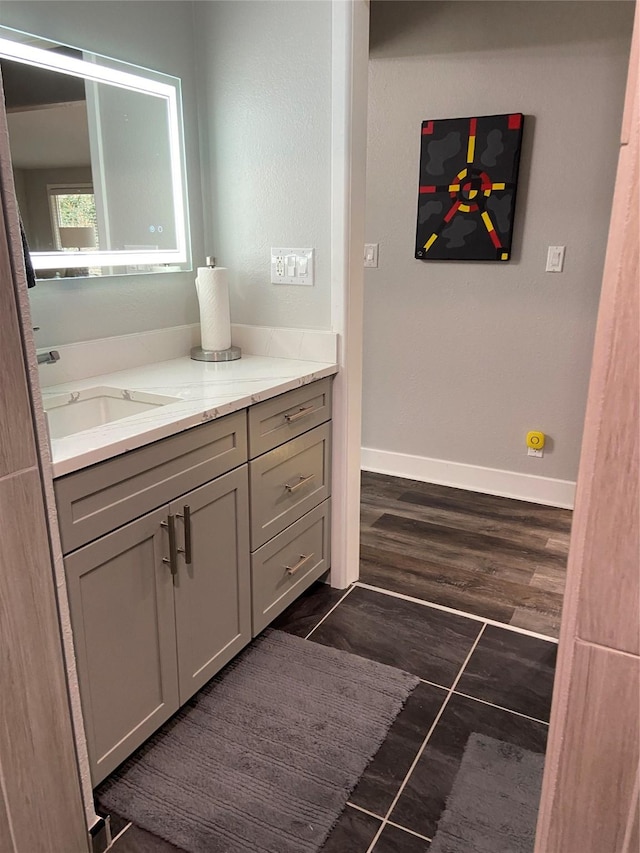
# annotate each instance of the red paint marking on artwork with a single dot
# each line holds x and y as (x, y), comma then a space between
(451, 213)
(473, 123)
(427, 128)
(473, 207)
(486, 181)
(467, 187)
(514, 121)
(427, 189)
(495, 239)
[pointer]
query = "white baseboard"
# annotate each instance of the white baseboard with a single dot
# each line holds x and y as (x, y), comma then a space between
(474, 478)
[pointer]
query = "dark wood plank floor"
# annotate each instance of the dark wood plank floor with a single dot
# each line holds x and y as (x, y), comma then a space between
(494, 557)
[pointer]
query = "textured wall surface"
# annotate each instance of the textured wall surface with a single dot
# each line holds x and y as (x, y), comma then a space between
(264, 92)
(462, 359)
(157, 35)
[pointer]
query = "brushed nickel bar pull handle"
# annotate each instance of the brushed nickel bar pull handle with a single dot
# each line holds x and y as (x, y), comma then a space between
(185, 515)
(301, 413)
(172, 561)
(304, 558)
(301, 482)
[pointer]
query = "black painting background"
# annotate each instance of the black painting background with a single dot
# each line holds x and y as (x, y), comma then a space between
(465, 237)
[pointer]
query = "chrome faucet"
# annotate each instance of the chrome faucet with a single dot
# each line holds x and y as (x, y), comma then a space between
(48, 357)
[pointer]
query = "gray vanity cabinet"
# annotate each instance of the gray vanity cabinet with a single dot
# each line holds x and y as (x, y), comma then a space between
(161, 603)
(122, 612)
(212, 596)
(151, 629)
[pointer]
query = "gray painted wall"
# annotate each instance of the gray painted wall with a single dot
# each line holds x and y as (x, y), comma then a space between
(264, 76)
(259, 75)
(462, 359)
(157, 35)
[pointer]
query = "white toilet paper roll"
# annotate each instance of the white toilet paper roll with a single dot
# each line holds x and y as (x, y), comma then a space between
(213, 295)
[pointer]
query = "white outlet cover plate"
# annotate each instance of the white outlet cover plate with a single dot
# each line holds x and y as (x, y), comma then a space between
(292, 266)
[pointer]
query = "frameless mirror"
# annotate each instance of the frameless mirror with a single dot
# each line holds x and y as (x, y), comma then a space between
(98, 160)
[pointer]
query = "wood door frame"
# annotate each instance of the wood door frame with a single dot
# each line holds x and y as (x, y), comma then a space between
(590, 793)
(41, 792)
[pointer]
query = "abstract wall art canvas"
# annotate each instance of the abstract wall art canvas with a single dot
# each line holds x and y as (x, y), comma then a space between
(468, 181)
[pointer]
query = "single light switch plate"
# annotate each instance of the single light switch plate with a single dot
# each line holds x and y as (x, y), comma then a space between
(533, 452)
(292, 266)
(555, 259)
(371, 255)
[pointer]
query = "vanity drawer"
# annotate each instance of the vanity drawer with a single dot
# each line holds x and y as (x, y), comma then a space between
(105, 496)
(289, 481)
(289, 563)
(284, 417)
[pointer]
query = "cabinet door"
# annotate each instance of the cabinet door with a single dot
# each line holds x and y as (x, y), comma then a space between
(212, 596)
(121, 598)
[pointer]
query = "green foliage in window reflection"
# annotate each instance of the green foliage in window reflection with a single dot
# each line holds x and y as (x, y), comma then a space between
(76, 210)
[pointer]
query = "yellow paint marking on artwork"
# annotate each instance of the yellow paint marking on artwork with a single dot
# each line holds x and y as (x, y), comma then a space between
(473, 193)
(487, 192)
(497, 186)
(454, 188)
(471, 149)
(430, 241)
(462, 174)
(487, 221)
(464, 208)
(504, 256)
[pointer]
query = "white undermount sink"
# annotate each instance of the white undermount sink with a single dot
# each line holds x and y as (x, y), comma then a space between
(77, 411)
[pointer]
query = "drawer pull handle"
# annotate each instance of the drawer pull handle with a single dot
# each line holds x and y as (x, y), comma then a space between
(301, 482)
(292, 417)
(172, 560)
(185, 515)
(304, 558)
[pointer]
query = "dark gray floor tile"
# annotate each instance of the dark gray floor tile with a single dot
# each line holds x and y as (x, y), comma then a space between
(423, 798)
(305, 612)
(512, 670)
(353, 833)
(382, 779)
(394, 840)
(136, 840)
(427, 642)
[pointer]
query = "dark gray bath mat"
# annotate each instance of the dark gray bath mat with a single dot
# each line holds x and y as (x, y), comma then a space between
(493, 805)
(263, 759)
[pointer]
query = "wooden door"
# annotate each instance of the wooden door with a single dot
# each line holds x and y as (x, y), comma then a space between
(40, 790)
(590, 793)
(212, 595)
(121, 599)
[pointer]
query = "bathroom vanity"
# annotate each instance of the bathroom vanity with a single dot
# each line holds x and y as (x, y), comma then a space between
(182, 549)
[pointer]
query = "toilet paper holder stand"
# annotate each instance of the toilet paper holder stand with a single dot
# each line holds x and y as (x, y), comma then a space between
(231, 354)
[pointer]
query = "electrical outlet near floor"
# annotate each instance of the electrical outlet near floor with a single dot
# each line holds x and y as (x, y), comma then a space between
(292, 266)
